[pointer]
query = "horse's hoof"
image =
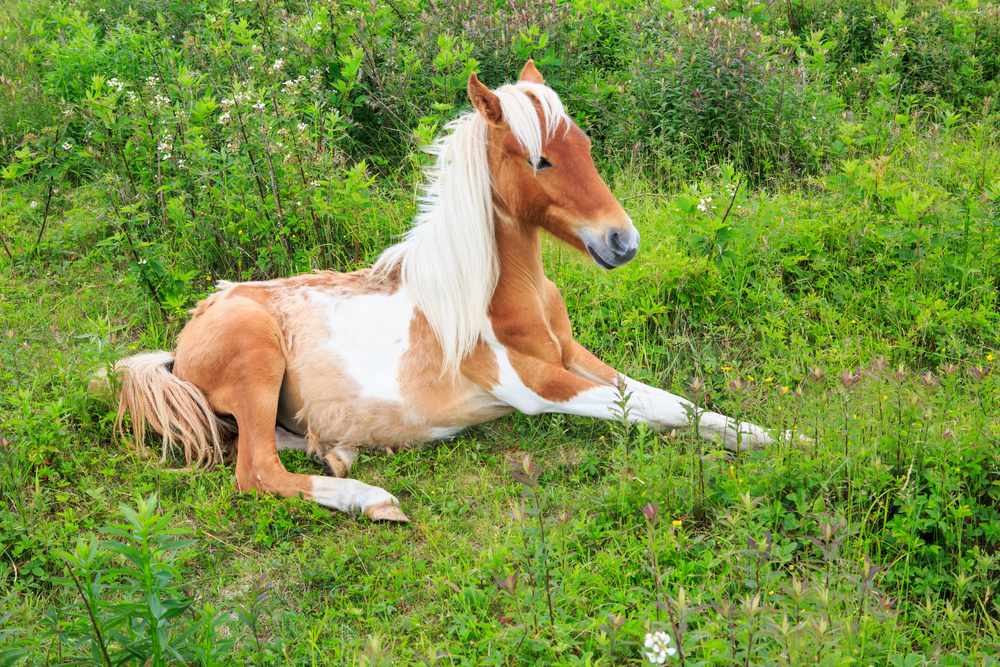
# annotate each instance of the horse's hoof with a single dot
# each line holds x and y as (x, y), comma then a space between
(386, 512)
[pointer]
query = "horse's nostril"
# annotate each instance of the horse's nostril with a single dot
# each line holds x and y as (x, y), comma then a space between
(615, 241)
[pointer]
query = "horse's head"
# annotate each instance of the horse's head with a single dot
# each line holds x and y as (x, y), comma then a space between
(542, 172)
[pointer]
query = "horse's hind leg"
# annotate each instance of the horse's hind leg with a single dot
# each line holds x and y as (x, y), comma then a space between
(232, 350)
(338, 460)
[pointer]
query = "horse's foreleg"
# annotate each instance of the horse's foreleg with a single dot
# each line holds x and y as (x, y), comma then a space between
(589, 387)
(664, 410)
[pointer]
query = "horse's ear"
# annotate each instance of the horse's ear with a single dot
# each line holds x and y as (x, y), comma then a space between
(485, 100)
(530, 73)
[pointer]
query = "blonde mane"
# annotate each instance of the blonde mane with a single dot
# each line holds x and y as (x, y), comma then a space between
(448, 259)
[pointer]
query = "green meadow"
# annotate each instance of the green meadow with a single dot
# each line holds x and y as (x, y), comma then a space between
(817, 185)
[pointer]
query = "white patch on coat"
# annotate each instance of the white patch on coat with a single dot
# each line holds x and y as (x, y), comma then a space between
(510, 388)
(348, 495)
(445, 432)
(368, 335)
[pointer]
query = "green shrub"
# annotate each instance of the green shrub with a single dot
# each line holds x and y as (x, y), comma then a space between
(723, 91)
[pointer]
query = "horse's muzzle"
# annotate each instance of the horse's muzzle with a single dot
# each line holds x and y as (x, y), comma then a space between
(616, 247)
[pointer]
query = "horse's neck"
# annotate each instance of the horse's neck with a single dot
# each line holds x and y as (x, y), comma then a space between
(522, 277)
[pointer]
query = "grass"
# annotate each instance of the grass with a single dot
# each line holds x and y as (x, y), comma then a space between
(837, 275)
(902, 471)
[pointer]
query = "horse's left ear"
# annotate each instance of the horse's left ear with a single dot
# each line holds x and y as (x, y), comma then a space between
(530, 73)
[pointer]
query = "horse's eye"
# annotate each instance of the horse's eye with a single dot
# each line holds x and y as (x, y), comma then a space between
(543, 163)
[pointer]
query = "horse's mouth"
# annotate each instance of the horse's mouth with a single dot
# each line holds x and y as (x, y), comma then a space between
(617, 258)
(600, 260)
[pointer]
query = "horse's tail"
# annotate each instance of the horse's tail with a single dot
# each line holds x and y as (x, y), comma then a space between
(176, 409)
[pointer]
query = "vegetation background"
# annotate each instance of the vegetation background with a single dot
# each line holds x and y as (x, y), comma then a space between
(817, 183)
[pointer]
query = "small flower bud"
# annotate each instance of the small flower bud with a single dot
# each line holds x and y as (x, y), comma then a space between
(650, 511)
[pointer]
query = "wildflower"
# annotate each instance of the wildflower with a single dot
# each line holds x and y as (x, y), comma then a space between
(658, 648)
(318, 27)
(949, 369)
(143, 260)
(116, 85)
(979, 372)
(224, 118)
(288, 85)
(783, 390)
(278, 64)
(33, 204)
(649, 511)
(508, 583)
(989, 356)
(849, 378)
(226, 102)
(816, 373)
(259, 106)
(302, 127)
(161, 100)
(704, 204)
(152, 81)
(676, 523)
(929, 380)
(67, 146)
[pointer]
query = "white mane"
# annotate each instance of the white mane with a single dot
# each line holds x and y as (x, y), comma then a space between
(448, 258)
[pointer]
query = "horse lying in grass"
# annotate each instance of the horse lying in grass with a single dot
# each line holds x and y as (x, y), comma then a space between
(454, 326)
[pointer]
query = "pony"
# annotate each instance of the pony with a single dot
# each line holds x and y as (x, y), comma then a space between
(455, 325)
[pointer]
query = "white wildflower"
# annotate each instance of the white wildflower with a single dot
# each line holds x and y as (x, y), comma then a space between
(67, 146)
(704, 204)
(288, 85)
(161, 100)
(152, 81)
(33, 204)
(143, 260)
(278, 64)
(318, 27)
(226, 103)
(224, 118)
(302, 127)
(116, 85)
(259, 106)
(657, 647)
(130, 96)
